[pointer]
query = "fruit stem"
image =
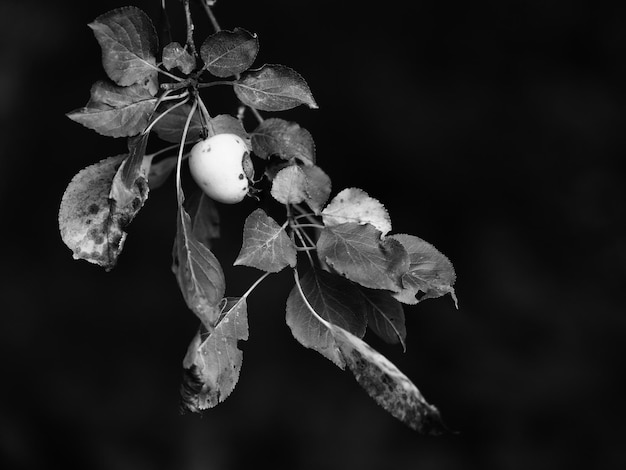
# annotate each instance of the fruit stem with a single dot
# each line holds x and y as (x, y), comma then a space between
(179, 189)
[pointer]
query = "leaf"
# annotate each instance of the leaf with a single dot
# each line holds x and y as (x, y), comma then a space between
(357, 252)
(176, 56)
(283, 138)
(334, 299)
(170, 126)
(273, 88)
(160, 171)
(381, 379)
(213, 362)
(429, 273)
(289, 185)
(198, 272)
(91, 224)
(385, 315)
(266, 245)
(318, 187)
(228, 53)
(205, 220)
(386, 384)
(129, 45)
(227, 124)
(295, 184)
(356, 206)
(132, 168)
(116, 111)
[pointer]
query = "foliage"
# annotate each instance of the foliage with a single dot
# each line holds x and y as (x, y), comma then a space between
(350, 273)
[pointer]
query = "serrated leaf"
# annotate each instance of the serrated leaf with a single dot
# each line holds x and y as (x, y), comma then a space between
(129, 45)
(116, 111)
(353, 205)
(386, 384)
(228, 53)
(91, 224)
(385, 315)
(198, 272)
(295, 184)
(266, 245)
(213, 361)
(358, 253)
(273, 88)
(334, 299)
(171, 122)
(430, 273)
(176, 56)
(285, 139)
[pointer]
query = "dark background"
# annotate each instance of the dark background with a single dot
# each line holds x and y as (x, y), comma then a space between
(494, 130)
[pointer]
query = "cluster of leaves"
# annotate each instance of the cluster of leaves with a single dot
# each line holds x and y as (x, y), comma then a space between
(355, 273)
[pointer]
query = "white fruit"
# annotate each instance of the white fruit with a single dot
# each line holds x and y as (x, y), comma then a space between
(220, 165)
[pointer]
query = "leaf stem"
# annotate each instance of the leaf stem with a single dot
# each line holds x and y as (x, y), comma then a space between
(168, 110)
(211, 16)
(179, 189)
(306, 248)
(306, 302)
(320, 226)
(256, 283)
(215, 83)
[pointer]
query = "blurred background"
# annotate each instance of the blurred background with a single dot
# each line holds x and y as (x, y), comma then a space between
(493, 130)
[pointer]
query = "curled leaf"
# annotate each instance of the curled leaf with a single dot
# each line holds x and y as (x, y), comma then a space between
(353, 205)
(213, 360)
(283, 138)
(430, 273)
(176, 56)
(91, 222)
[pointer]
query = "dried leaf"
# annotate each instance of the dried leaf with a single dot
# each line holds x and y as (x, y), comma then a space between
(386, 384)
(91, 223)
(213, 361)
